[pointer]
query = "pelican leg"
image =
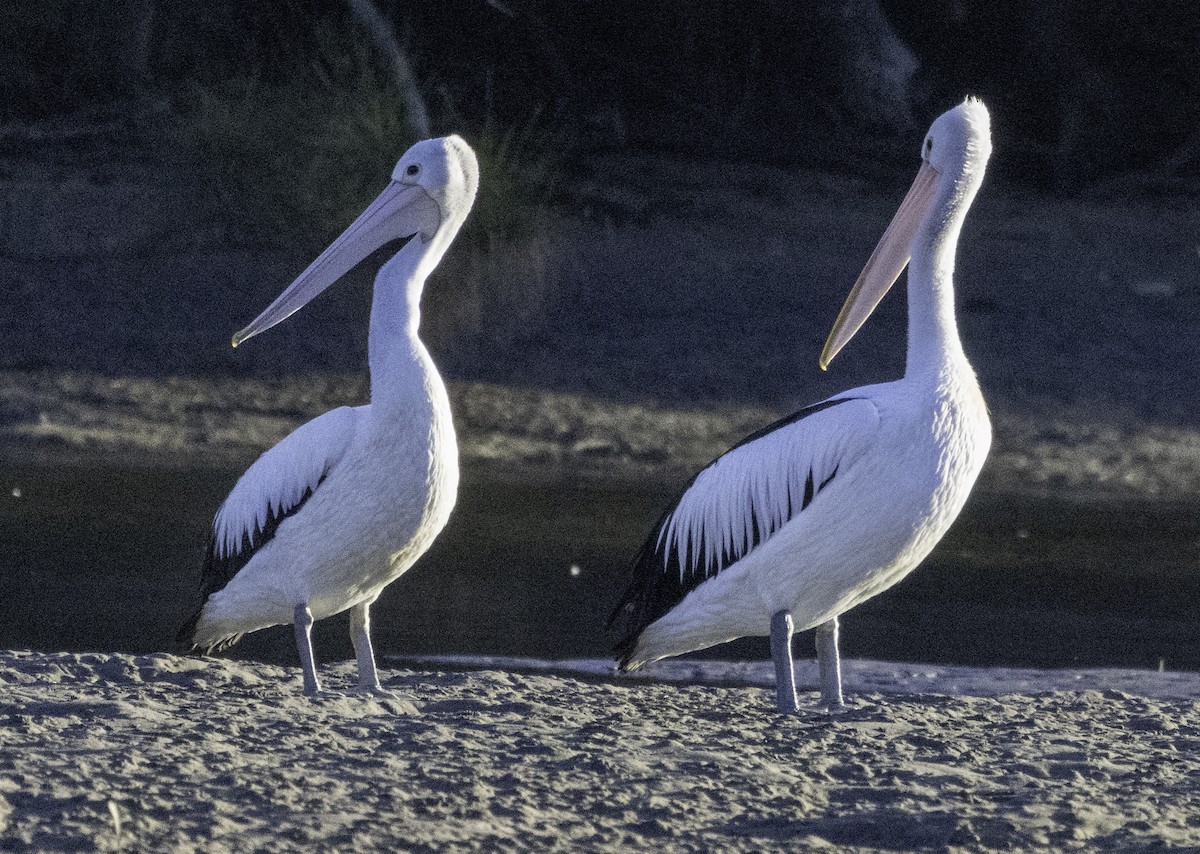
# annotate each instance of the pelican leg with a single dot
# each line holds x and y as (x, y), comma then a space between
(303, 623)
(829, 664)
(781, 654)
(360, 636)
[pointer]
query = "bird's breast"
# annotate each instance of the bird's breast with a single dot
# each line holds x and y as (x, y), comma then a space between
(933, 442)
(932, 447)
(377, 511)
(415, 471)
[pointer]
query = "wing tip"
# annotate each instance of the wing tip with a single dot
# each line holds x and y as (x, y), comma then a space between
(624, 652)
(187, 642)
(654, 590)
(185, 637)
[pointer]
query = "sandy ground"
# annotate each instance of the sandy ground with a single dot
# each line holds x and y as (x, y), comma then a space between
(59, 417)
(160, 753)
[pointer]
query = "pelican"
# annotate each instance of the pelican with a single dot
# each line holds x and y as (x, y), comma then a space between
(335, 512)
(812, 515)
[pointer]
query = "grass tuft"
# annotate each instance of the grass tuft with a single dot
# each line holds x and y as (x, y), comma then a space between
(295, 152)
(295, 155)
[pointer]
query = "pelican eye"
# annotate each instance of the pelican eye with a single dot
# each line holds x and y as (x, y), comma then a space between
(928, 147)
(413, 169)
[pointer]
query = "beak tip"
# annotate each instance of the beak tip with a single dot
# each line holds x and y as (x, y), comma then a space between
(244, 335)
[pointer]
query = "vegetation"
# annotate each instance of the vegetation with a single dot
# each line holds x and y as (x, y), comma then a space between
(1081, 90)
(62, 55)
(295, 154)
(296, 151)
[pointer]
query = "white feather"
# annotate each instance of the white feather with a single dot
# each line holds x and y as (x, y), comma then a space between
(749, 486)
(278, 480)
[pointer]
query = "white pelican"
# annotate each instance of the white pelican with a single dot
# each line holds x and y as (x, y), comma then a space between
(340, 508)
(818, 512)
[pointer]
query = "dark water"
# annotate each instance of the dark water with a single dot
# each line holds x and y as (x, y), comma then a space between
(106, 559)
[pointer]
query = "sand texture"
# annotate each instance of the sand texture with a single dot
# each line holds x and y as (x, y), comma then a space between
(161, 753)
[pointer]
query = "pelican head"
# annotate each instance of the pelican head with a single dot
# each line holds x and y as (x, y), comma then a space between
(954, 155)
(446, 169)
(959, 144)
(431, 192)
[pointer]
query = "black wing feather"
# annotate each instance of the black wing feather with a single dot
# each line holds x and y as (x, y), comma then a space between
(653, 592)
(217, 571)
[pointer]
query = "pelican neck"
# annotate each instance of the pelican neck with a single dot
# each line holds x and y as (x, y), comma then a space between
(933, 339)
(396, 354)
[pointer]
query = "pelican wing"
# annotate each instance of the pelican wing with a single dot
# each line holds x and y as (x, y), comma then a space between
(739, 500)
(280, 481)
(272, 489)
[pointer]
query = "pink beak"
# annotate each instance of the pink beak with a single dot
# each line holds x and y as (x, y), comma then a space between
(885, 265)
(400, 211)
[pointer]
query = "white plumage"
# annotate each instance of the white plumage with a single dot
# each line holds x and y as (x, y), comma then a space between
(279, 480)
(753, 490)
(326, 519)
(811, 516)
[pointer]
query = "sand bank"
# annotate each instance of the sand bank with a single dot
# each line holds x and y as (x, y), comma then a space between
(67, 417)
(162, 753)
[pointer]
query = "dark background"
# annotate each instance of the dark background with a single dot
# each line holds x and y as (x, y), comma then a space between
(1084, 88)
(267, 126)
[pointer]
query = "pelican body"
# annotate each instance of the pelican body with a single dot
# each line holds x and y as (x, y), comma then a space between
(339, 509)
(822, 510)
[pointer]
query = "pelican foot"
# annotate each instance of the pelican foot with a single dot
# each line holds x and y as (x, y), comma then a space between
(829, 665)
(832, 707)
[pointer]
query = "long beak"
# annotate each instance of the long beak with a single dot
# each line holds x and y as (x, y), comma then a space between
(399, 211)
(885, 265)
